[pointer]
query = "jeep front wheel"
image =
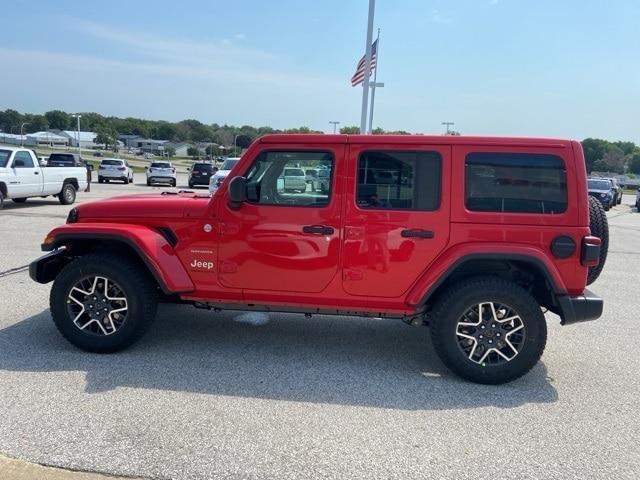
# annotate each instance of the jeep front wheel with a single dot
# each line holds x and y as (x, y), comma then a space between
(103, 303)
(488, 330)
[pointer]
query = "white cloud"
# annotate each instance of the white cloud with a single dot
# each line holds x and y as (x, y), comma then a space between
(437, 17)
(239, 36)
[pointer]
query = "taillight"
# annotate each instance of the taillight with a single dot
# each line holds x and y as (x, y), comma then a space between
(173, 170)
(101, 167)
(122, 169)
(590, 253)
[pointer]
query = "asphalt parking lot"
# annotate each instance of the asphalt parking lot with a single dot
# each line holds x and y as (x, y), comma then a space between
(206, 396)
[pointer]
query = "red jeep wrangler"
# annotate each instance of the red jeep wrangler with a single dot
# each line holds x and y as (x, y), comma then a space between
(476, 237)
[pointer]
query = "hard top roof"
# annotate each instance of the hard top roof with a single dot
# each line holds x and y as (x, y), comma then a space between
(413, 140)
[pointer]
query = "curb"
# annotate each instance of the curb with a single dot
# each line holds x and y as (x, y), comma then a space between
(12, 469)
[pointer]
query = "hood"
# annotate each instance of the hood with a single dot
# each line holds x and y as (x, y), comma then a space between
(151, 205)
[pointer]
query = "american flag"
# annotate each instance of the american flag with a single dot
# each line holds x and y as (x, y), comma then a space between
(358, 77)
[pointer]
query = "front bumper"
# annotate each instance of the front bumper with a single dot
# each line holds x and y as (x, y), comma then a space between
(580, 308)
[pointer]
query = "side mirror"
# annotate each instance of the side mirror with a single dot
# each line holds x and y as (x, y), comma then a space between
(146, 168)
(237, 192)
(19, 163)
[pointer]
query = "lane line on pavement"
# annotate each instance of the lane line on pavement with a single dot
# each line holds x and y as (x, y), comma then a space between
(12, 271)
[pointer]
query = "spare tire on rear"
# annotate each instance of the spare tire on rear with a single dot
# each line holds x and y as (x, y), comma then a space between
(599, 228)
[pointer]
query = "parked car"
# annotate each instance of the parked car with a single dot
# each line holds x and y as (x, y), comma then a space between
(220, 175)
(293, 180)
(311, 174)
(601, 189)
(485, 236)
(321, 183)
(618, 190)
(22, 177)
(161, 172)
(200, 173)
(115, 169)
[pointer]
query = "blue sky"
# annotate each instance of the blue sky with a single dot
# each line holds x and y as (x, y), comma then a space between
(496, 67)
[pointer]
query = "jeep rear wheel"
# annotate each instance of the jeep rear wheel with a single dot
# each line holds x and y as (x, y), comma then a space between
(599, 228)
(103, 303)
(488, 330)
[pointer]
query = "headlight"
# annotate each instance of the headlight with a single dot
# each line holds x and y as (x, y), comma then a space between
(73, 216)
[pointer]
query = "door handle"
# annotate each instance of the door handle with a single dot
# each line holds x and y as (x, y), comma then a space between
(317, 229)
(417, 233)
(36, 173)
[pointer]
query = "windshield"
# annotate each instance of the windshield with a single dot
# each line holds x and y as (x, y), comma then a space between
(112, 162)
(160, 165)
(599, 185)
(229, 164)
(4, 157)
(293, 172)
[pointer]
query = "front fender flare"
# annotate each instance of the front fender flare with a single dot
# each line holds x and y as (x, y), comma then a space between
(151, 246)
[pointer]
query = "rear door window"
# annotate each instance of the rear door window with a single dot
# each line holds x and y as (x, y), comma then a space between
(399, 180)
(515, 183)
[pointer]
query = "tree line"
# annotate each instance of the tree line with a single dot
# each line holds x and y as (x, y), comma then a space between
(600, 155)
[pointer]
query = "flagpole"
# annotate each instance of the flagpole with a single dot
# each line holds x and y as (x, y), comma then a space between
(373, 87)
(367, 68)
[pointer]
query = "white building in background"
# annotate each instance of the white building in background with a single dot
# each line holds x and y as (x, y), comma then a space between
(46, 139)
(86, 138)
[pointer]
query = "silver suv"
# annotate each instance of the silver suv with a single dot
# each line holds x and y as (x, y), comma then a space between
(161, 172)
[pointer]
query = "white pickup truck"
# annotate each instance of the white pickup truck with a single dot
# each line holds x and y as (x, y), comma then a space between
(21, 177)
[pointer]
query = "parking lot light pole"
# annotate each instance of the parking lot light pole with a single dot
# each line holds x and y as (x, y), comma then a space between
(334, 123)
(235, 146)
(21, 137)
(78, 116)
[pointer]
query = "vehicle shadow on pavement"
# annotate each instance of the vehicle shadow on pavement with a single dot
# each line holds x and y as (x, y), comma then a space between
(336, 360)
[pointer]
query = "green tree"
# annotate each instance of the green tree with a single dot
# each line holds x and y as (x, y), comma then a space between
(108, 136)
(243, 141)
(193, 152)
(171, 151)
(37, 123)
(352, 130)
(10, 119)
(58, 120)
(634, 162)
(594, 150)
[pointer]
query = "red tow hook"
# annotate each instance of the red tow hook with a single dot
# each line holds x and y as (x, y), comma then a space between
(590, 254)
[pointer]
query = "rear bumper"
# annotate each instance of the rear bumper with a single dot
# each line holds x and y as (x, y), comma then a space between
(160, 179)
(199, 180)
(580, 308)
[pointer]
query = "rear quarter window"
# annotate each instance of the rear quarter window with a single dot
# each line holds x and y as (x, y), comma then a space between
(515, 183)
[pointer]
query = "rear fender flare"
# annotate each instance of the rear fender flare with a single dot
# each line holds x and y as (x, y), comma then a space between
(455, 257)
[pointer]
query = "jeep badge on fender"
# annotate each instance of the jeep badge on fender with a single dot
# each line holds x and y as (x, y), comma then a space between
(476, 237)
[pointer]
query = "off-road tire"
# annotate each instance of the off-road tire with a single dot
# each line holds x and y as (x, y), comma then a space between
(19, 200)
(139, 289)
(449, 310)
(599, 228)
(67, 195)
